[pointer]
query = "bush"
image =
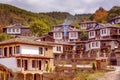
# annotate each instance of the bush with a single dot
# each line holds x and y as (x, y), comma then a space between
(93, 66)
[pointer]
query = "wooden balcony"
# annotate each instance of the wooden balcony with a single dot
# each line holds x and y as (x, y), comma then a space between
(105, 46)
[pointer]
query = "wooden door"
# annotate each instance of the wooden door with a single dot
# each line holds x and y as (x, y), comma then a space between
(25, 65)
(39, 65)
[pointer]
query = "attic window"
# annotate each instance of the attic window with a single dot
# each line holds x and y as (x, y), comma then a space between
(46, 49)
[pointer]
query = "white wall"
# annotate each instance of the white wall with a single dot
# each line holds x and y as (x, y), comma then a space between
(87, 46)
(9, 63)
(95, 46)
(93, 36)
(57, 37)
(73, 37)
(55, 49)
(15, 31)
(28, 49)
(114, 44)
(107, 32)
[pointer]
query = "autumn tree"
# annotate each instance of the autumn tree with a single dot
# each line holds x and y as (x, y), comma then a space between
(100, 15)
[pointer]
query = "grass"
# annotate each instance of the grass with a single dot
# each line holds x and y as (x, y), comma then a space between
(89, 76)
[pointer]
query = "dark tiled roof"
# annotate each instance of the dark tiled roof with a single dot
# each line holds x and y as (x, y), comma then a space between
(16, 26)
(117, 17)
(101, 26)
(89, 22)
(29, 41)
(61, 29)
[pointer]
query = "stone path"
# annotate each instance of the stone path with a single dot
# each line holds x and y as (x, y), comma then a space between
(114, 75)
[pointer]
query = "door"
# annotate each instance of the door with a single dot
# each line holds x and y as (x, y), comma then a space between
(98, 64)
(39, 65)
(25, 65)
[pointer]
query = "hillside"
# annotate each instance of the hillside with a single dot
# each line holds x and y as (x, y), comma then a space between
(113, 12)
(101, 15)
(11, 15)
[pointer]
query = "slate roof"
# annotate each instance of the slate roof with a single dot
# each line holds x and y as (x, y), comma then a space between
(61, 29)
(29, 41)
(16, 26)
(32, 41)
(88, 22)
(101, 26)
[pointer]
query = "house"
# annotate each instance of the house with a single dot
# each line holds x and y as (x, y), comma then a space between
(115, 20)
(63, 33)
(17, 30)
(88, 24)
(63, 37)
(26, 56)
(115, 59)
(103, 38)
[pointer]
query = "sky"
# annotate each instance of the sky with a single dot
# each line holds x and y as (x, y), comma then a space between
(71, 6)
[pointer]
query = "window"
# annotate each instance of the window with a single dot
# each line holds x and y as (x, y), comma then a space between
(92, 33)
(9, 30)
(33, 63)
(39, 65)
(73, 34)
(93, 45)
(18, 63)
(89, 45)
(46, 49)
(10, 51)
(58, 48)
(0, 51)
(40, 50)
(96, 44)
(103, 31)
(13, 30)
(17, 30)
(58, 34)
(5, 52)
(17, 49)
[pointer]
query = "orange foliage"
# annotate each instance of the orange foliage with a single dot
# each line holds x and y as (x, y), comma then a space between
(100, 15)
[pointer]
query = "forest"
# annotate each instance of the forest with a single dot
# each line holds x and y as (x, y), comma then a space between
(46, 21)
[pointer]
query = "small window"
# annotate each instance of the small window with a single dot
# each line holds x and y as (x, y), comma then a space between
(17, 49)
(96, 44)
(13, 30)
(9, 30)
(40, 50)
(17, 30)
(58, 48)
(46, 62)
(0, 51)
(89, 45)
(46, 49)
(18, 63)
(93, 45)
(33, 63)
